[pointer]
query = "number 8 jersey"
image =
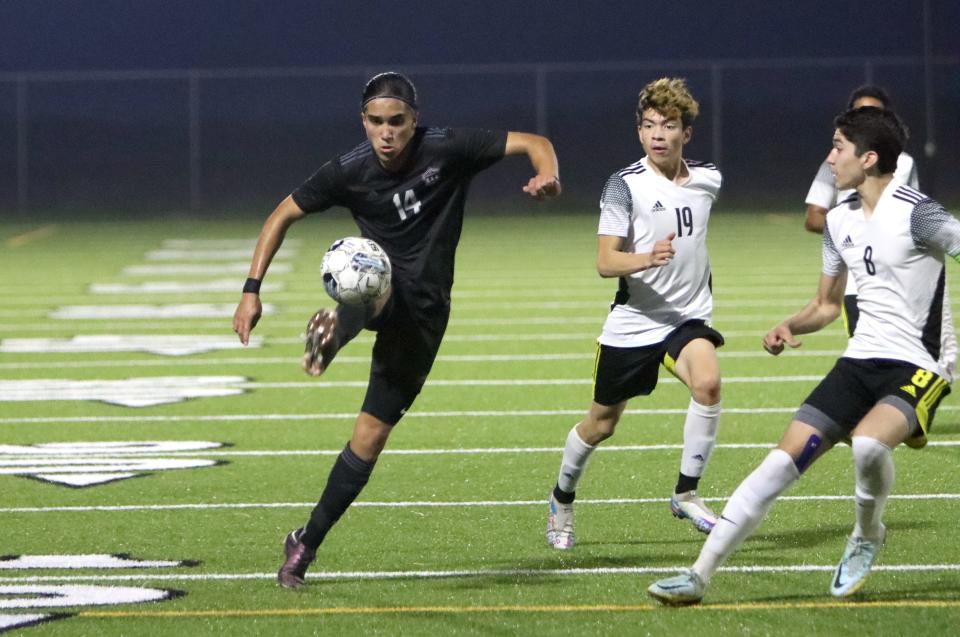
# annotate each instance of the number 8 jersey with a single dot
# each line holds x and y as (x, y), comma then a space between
(897, 260)
(643, 207)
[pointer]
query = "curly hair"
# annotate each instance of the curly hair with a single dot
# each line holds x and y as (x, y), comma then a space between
(670, 97)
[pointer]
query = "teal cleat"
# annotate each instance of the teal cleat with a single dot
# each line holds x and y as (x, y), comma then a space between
(681, 590)
(855, 565)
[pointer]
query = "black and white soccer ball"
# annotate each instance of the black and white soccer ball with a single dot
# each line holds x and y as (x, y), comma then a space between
(355, 271)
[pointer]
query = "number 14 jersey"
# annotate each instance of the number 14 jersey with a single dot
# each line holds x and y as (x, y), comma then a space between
(643, 207)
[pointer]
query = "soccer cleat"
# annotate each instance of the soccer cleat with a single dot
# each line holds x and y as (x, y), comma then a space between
(855, 564)
(321, 345)
(680, 590)
(299, 557)
(560, 525)
(688, 506)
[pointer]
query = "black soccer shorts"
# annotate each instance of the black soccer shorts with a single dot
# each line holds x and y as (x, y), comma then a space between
(852, 388)
(620, 373)
(403, 353)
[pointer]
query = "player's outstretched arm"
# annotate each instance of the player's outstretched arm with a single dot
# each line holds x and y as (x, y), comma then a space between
(248, 311)
(613, 262)
(822, 310)
(546, 183)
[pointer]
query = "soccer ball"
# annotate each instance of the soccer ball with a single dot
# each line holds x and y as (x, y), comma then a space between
(355, 271)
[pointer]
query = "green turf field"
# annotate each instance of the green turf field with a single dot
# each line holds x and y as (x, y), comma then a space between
(448, 536)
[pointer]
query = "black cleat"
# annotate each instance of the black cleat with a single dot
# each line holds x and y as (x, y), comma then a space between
(299, 558)
(321, 345)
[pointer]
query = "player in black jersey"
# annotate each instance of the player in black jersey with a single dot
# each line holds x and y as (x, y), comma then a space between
(405, 187)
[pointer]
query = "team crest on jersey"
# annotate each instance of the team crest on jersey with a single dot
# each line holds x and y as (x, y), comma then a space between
(658, 207)
(847, 243)
(431, 175)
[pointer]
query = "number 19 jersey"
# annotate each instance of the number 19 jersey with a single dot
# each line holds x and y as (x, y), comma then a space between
(643, 207)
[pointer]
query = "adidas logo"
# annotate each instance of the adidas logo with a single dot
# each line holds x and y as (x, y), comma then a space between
(910, 390)
(847, 242)
(658, 207)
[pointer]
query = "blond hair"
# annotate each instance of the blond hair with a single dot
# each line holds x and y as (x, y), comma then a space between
(670, 97)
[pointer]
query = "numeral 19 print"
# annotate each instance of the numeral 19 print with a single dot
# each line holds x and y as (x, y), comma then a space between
(684, 220)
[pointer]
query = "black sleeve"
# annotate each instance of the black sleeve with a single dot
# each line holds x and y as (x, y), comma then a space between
(478, 148)
(321, 190)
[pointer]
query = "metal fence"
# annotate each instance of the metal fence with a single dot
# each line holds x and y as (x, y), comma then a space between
(142, 142)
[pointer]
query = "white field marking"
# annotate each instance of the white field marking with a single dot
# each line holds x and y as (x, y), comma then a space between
(428, 504)
(294, 360)
(505, 572)
(155, 390)
(91, 560)
(240, 268)
(508, 382)
(298, 323)
(352, 415)
(177, 287)
(151, 312)
(244, 243)
(172, 345)
(484, 451)
(66, 596)
(130, 392)
(229, 254)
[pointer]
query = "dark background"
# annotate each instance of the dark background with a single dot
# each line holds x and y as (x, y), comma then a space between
(133, 107)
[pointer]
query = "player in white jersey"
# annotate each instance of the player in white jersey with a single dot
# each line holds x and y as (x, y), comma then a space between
(652, 235)
(824, 195)
(885, 389)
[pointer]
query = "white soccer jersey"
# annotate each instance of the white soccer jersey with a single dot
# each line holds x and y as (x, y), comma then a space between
(643, 207)
(897, 259)
(823, 192)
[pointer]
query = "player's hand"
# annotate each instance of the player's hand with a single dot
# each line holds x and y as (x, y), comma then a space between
(663, 251)
(779, 336)
(543, 186)
(246, 316)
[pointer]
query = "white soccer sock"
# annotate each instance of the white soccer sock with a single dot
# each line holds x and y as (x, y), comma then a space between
(699, 437)
(873, 463)
(575, 455)
(745, 510)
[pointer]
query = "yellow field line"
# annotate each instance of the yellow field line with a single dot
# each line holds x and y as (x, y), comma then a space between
(611, 608)
(34, 235)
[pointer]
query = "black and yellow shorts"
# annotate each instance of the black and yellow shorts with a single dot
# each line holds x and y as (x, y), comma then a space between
(854, 386)
(620, 373)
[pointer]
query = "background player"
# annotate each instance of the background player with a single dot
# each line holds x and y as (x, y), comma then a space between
(885, 389)
(405, 187)
(824, 195)
(652, 235)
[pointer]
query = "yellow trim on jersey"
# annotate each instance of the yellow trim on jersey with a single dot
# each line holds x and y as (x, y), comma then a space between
(928, 401)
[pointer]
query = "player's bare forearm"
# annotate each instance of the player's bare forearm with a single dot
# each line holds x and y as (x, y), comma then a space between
(249, 309)
(543, 158)
(272, 234)
(816, 218)
(612, 262)
(822, 310)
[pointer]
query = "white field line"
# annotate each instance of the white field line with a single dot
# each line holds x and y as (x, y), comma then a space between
(352, 415)
(253, 361)
(430, 504)
(298, 324)
(481, 451)
(465, 573)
